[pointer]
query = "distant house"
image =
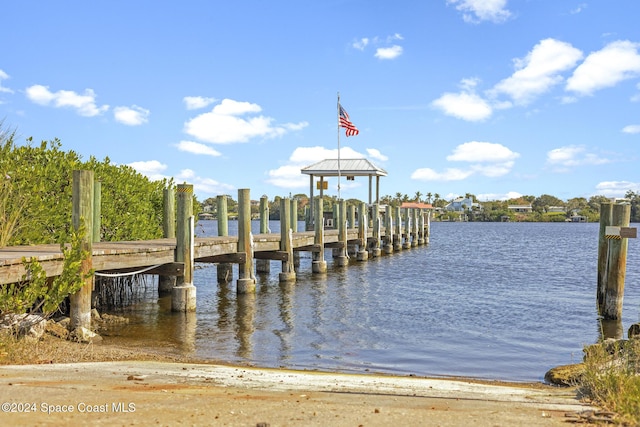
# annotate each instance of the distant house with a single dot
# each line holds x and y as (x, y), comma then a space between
(556, 209)
(462, 203)
(520, 208)
(415, 205)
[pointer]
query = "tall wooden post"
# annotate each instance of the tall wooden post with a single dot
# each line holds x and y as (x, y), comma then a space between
(166, 283)
(617, 265)
(421, 224)
(224, 270)
(82, 216)
(264, 265)
(97, 210)
(606, 210)
(377, 226)
(318, 264)
(246, 280)
(293, 206)
(183, 295)
(363, 254)
(407, 229)
(414, 226)
(351, 216)
(388, 230)
(288, 273)
(342, 259)
(397, 234)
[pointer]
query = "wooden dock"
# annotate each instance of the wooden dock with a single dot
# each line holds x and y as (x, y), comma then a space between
(117, 257)
(173, 257)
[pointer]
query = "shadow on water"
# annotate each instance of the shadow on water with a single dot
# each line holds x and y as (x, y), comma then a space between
(494, 301)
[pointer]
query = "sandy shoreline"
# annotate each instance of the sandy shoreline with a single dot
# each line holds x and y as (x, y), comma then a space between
(170, 393)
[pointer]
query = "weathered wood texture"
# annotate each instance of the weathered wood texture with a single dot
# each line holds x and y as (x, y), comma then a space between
(114, 256)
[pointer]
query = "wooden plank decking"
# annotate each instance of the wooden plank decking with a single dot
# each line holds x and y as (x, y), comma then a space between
(119, 256)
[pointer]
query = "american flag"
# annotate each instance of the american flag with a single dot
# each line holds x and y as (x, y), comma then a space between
(351, 130)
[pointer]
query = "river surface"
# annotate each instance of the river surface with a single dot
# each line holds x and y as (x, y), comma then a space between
(503, 301)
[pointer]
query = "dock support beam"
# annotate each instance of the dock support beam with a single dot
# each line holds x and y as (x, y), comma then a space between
(82, 215)
(318, 264)
(363, 254)
(388, 226)
(342, 259)
(611, 309)
(225, 270)
(407, 229)
(183, 295)
(166, 283)
(288, 273)
(397, 234)
(376, 251)
(264, 265)
(246, 280)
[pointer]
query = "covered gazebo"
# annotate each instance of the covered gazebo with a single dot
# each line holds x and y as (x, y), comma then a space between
(349, 168)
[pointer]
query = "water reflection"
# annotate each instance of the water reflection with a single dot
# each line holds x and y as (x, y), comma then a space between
(245, 316)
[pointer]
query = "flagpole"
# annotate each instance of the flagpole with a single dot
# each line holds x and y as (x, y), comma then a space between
(339, 146)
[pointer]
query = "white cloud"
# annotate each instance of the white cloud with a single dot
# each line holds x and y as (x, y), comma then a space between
(151, 168)
(465, 105)
(376, 155)
(631, 129)
(564, 158)
(197, 148)
(616, 188)
(451, 174)
(539, 70)
(475, 151)
(578, 8)
(196, 102)
(361, 43)
(204, 187)
(225, 124)
(84, 104)
(486, 158)
(482, 10)
(131, 116)
(4, 76)
(388, 52)
(607, 67)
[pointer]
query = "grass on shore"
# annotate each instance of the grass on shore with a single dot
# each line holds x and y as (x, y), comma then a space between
(612, 379)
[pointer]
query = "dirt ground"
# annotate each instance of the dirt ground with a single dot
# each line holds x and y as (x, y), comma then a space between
(53, 382)
(137, 388)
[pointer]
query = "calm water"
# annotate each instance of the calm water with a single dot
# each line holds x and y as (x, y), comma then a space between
(488, 300)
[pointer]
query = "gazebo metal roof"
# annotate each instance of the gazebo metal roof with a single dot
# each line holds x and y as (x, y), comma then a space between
(348, 167)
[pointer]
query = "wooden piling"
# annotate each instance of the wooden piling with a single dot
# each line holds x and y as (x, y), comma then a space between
(166, 283)
(406, 229)
(388, 226)
(224, 270)
(246, 280)
(82, 216)
(183, 295)
(363, 221)
(288, 273)
(342, 259)
(377, 226)
(414, 227)
(351, 216)
(617, 265)
(318, 264)
(397, 234)
(264, 265)
(606, 210)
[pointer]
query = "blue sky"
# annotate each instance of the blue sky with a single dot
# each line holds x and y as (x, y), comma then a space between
(498, 98)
